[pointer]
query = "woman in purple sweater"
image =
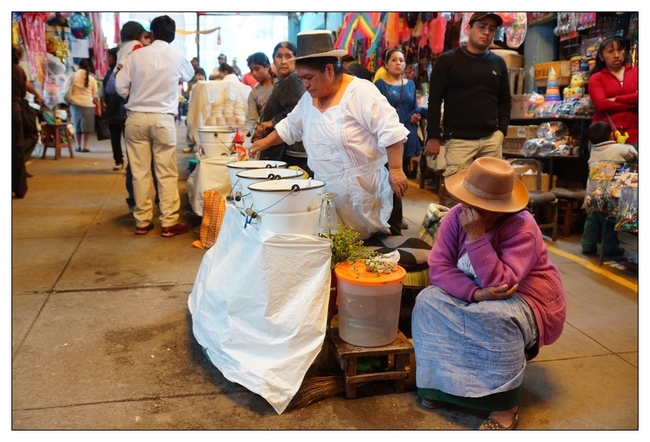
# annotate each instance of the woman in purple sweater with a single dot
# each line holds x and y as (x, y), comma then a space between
(495, 297)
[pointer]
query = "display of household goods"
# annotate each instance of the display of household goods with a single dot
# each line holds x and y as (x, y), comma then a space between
(217, 105)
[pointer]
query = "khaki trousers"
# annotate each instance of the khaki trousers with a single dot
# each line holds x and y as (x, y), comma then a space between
(459, 154)
(151, 137)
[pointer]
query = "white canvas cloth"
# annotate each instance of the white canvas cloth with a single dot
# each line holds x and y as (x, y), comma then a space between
(210, 173)
(259, 306)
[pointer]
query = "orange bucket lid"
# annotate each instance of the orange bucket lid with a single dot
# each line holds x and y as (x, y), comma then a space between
(360, 275)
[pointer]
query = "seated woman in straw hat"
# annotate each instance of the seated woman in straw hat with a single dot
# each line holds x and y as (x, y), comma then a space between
(495, 297)
(350, 132)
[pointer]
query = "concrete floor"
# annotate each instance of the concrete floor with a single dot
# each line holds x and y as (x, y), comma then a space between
(101, 335)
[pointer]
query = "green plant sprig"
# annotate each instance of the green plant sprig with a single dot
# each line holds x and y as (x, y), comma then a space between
(348, 246)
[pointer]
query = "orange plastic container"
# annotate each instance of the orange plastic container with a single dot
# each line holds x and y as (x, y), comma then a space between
(368, 304)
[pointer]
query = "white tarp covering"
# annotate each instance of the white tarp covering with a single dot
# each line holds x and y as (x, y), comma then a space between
(259, 306)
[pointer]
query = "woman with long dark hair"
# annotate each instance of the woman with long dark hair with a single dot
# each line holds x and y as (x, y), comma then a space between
(82, 104)
(614, 90)
(287, 91)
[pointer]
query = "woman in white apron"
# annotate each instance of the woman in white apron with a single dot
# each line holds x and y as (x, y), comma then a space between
(350, 132)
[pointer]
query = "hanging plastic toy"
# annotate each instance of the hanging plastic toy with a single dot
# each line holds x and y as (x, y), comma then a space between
(80, 25)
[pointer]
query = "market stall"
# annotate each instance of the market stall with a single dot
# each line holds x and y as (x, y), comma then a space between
(52, 42)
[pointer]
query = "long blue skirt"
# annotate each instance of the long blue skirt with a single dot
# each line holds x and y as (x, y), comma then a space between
(470, 349)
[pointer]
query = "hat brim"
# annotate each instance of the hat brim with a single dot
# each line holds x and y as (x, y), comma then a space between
(334, 53)
(517, 201)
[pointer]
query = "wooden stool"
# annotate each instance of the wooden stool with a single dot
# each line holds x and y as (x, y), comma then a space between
(569, 208)
(53, 135)
(398, 357)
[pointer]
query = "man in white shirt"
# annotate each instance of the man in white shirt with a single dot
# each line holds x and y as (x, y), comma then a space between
(149, 80)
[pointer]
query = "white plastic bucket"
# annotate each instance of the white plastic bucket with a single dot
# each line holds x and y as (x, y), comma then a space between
(250, 176)
(305, 223)
(290, 195)
(216, 140)
(369, 305)
(238, 166)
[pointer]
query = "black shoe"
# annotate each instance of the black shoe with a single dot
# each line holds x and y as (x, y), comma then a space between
(432, 404)
(618, 252)
(589, 252)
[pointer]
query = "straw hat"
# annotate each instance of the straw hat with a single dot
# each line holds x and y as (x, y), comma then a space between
(480, 15)
(312, 44)
(489, 184)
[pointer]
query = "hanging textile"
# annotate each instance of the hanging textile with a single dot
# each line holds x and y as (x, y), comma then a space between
(437, 36)
(98, 44)
(118, 28)
(32, 34)
(373, 50)
(358, 26)
(391, 29)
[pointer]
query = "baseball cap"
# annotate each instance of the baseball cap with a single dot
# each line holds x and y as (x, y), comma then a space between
(480, 15)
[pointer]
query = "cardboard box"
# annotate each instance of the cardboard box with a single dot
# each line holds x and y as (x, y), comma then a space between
(526, 132)
(520, 105)
(529, 180)
(512, 58)
(531, 131)
(562, 70)
(516, 132)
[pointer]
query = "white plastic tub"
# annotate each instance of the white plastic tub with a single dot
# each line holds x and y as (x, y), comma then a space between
(238, 166)
(216, 140)
(368, 304)
(305, 223)
(250, 176)
(289, 195)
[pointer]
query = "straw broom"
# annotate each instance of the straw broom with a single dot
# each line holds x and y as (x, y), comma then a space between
(323, 380)
(317, 388)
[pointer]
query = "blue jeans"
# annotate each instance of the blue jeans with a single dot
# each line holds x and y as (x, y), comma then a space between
(597, 222)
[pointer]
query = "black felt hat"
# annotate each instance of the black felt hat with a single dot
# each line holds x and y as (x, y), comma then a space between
(312, 44)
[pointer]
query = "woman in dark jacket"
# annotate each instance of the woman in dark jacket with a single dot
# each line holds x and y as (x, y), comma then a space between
(287, 91)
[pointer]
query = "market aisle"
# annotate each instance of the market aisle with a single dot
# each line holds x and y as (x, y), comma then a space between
(101, 335)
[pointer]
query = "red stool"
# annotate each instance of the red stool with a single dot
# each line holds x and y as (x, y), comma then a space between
(58, 136)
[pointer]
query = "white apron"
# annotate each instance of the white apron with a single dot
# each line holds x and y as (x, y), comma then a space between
(364, 198)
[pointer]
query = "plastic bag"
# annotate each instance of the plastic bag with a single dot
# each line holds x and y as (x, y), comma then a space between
(101, 128)
(259, 307)
(515, 29)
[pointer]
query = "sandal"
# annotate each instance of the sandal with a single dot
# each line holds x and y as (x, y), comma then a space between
(144, 230)
(493, 424)
(85, 150)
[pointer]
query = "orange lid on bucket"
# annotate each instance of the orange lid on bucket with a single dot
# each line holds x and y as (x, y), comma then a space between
(359, 274)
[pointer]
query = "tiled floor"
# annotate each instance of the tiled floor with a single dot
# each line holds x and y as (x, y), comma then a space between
(101, 335)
